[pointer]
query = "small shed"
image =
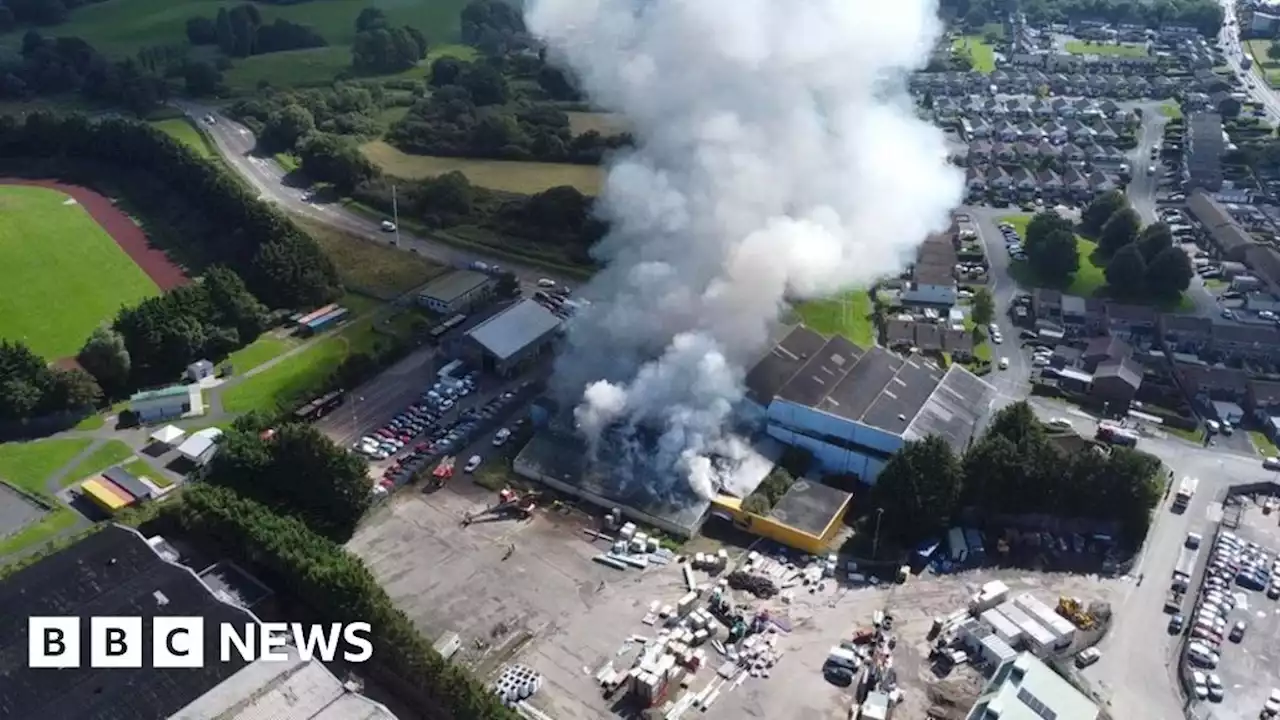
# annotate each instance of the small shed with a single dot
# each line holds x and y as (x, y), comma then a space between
(167, 435)
(201, 446)
(199, 370)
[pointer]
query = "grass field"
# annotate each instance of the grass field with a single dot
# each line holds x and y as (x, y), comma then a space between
(1080, 47)
(848, 315)
(1087, 281)
(373, 268)
(603, 123)
(111, 453)
(517, 177)
(183, 131)
(288, 380)
(264, 349)
(28, 465)
(1269, 68)
(1171, 109)
(122, 27)
(1263, 444)
(979, 50)
(61, 274)
(318, 67)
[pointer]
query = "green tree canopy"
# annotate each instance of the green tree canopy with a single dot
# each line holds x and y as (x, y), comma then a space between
(1098, 212)
(984, 306)
(1127, 271)
(917, 490)
(1169, 273)
(1154, 239)
(1119, 231)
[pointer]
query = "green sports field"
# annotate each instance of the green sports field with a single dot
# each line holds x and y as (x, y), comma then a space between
(62, 274)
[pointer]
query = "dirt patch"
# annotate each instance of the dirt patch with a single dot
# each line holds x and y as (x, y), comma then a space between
(127, 234)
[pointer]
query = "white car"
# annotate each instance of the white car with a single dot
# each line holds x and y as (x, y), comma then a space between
(472, 464)
(993, 329)
(500, 438)
(997, 338)
(1059, 422)
(1004, 363)
(388, 226)
(546, 283)
(1201, 685)
(1271, 463)
(1216, 689)
(1087, 657)
(1272, 706)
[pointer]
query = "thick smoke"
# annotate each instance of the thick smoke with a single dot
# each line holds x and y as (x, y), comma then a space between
(777, 158)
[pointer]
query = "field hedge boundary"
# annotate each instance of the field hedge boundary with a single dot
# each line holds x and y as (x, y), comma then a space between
(338, 587)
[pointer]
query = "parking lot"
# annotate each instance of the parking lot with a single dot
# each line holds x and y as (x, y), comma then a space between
(1244, 666)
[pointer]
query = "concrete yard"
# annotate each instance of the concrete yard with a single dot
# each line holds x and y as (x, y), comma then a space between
(16, 512)
(552, 608)
(1249, 670)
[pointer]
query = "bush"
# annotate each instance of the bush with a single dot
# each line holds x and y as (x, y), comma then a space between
(339, 588)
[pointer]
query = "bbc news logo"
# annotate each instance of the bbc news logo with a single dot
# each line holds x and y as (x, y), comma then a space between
(180, 642)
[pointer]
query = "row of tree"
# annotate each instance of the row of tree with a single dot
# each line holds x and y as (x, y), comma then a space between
(466, 116)
(380, 48)
(30, 387)
(154, 341)
(1141, 262)
(47, 66)
(37, 12)
(1014, 469)
(240, 32)
(1204, 15)
(559, 217)
(336, 585)
(206, 216)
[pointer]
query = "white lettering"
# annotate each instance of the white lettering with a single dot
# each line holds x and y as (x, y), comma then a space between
(274, 635)
(243, 643)
(356, 634)
(325, 638)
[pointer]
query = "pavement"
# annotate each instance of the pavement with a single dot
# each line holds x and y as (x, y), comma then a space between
(1254, 80)
(1015, 383)
(236, 143)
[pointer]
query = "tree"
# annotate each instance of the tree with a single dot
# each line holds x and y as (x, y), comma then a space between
(201, 78)
(335, 159)
(1098, 212)
(285, 127)
(105, 357)
(371, 18)
(298, 471)
(1051, 248)
(7, 21)
(984, 306)
(917, 490)
(1154, 239)
(1230, 107)
(1120, 231)
(1169, 273)
(202, 31)
(387, 50)
(557, 84)
(1273, 51)
(485, 83)
(226, 33)
(1127, 271)
(445, 71)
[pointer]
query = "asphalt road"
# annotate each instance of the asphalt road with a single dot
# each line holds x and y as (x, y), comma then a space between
(235, 143)
(1013, 384)
(1255, 82)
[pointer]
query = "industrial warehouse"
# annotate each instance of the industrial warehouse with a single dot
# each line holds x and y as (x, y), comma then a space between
(507, 342)
(854, 408)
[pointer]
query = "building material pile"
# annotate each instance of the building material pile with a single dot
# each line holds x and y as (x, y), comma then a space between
(517, 683)
(761, 587)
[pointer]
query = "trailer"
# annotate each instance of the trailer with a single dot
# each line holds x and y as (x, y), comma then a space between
(324, 322)
(304, 320)
(1186, 490)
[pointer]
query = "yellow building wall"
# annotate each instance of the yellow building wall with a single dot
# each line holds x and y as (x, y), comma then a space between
(774, 530)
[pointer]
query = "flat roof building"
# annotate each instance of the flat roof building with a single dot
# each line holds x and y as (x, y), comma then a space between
(169, 402)
(1027, 689)
(504, 343)
(200, 447)
(854, 408)
(457, 291)
(807, 517)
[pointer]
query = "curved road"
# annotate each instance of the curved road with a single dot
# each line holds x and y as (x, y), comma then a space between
(235, 143)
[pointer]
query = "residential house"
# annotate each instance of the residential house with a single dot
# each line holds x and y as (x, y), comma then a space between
(975, 180)
(1100, 183)
(1263, 401)
(1049, 182)
(1065, 356)
(1207, 384)
(1024, 181)
(1202, 164)
(932, 279)
(1116, 382)
(1074, 312)
(1130, 322)
(1265, 262)
(1188, 334)
(1102, 350)
(1076, 185)
(979, 128)
(1046, 304)
(1241, 342)
(1232, 241)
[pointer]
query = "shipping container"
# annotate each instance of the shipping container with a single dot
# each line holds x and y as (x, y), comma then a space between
(325, 322)
(305, 319)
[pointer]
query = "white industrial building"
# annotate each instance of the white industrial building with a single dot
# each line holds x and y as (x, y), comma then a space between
(1063, 630)
(1027, 689)
(161, 404)
(854, 408)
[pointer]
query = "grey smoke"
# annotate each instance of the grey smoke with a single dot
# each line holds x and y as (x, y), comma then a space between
(778, 158)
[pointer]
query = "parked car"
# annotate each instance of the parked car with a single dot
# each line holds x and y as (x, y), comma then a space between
(472, 464)
(388, 226)
(1087, 657)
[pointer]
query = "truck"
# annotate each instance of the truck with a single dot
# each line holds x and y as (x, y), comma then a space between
(1246, 63)
(1186, 490)
(1185, 566)
(1173, 601)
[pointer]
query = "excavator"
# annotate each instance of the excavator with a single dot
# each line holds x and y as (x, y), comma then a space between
(511, 503)
(1074, 610)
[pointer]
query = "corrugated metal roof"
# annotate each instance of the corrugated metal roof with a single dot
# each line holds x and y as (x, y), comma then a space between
(172, 391)
(515, 328)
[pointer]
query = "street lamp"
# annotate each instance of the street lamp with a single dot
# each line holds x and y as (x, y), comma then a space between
(875, 539)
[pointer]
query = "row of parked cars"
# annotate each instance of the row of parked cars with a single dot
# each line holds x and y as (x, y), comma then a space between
(1012, 242)
(448, 439)
(1232, 561)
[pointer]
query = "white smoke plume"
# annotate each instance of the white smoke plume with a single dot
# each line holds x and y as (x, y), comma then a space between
(777, 158)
